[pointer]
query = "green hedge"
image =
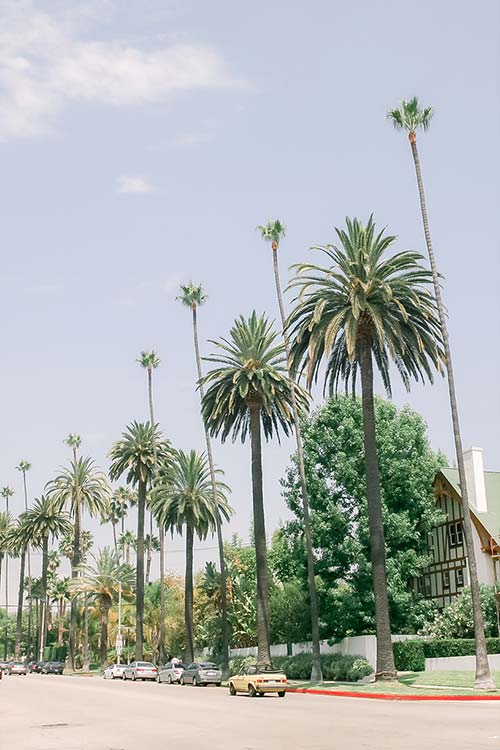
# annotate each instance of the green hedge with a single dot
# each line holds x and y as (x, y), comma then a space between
(410, 655)
(298, 667)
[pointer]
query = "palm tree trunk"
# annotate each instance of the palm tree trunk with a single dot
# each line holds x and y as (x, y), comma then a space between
(105, 605)
(162, 595)
(263, 638)
(74, 574)
(149, 549)
(28, 558)
(139, 581)
(220, 538)
(60, 626)
(43, 596)
(316, 672)
(20, 598)
(114, 537)
(385, 657)
(6, 633)
(188, 596)
(483, 679)
(85, 655)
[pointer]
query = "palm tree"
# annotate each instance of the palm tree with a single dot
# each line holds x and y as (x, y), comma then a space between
(248, 391)
(24, 467)
(151, 544)
(126, 542)
(59, 594)
(16, 541)
(6, 493)
(358, 308)
(44, 521)
(273, 232)
(115, 513)
(136, 455)
(186, 500)
(79, 487)
(411, 117)
(101, 581)
(193, 296)
(122, 498)
(5, 522)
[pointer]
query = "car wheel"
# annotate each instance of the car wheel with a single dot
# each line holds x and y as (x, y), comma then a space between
(281, 693)
(217, 684)
(124, 676)
(232, 689)
(157, 678)
(252, 691)
(170, 679)
(195, 682)
(182, 681)
(133, 677)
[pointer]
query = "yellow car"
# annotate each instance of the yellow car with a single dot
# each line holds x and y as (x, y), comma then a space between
(256, 681)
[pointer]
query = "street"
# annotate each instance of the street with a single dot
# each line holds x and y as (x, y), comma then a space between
(77, 713)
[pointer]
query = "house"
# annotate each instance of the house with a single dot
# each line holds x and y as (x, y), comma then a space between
(448, 574)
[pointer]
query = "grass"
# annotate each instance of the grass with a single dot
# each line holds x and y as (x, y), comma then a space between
(459, 683)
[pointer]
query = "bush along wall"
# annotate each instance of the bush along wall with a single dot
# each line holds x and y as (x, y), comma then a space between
(410, 655)
(335, 666)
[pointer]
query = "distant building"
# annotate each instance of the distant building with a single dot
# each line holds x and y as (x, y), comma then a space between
(449, 573)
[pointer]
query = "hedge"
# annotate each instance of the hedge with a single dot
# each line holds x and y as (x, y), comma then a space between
(334, 666)
(410, 655)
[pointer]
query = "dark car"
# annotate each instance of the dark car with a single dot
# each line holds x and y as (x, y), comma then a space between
(53, 667)
(37, 666)
(201, 673)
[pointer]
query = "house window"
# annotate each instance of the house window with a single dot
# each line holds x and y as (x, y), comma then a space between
(455, 534)
(446, 579)
(459, 573)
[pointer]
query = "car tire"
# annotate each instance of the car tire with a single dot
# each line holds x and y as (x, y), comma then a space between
(157, 678)
(281, 693)
(124, 676)
(195, 682)
(170, 679)
(232, 689)
(217, 684)
(134, 678)
(252, 691)
(181, 681)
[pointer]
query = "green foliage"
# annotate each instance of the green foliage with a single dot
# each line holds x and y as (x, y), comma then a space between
(457, 619)
(338, 667)
(410, 117)
(333, 448)
(409, 656)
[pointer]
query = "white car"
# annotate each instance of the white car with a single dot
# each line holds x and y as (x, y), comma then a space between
(139, 670)
(113, 671)
(171, 672)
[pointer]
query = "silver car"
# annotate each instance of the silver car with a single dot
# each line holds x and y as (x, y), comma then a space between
(140, 670)
(171, 672)
(113, 671)
(201, 673)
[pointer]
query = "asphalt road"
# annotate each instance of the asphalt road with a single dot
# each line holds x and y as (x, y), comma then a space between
(77, 713)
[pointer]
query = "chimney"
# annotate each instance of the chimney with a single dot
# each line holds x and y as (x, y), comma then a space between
(474, 475)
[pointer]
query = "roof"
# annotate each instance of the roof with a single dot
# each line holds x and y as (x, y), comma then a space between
(491, 519)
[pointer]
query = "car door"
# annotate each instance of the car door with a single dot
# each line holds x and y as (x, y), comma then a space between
(191, 671)
(165, 672)
(131, 669)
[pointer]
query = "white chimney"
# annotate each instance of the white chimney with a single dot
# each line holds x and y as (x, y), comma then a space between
(474, 475)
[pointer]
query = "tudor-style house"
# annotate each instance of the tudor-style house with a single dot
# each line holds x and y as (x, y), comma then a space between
(448, 574)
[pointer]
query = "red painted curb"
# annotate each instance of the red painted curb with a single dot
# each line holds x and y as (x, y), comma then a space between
(394, 696)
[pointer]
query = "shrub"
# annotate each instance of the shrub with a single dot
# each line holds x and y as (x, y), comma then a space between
(238, 664)
(409, 656)
(440, 647)
(457, 619)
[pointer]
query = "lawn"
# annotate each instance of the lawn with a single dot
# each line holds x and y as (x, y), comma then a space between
(460, 683)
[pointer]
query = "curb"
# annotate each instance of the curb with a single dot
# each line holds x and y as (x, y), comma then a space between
(393, 696)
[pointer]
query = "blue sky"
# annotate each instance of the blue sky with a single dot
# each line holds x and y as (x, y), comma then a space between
(142, 143)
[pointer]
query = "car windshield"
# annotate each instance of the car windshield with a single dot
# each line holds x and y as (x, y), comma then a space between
(178, 666)
(144, 664)
(208, 665)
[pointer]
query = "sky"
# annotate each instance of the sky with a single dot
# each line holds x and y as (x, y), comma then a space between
(141, 144)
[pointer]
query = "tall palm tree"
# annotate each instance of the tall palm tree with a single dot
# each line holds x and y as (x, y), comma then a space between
(18, 548)
(115, 513)
(126, 542)
(80, 486)
(5, 522)
(249, 391)
(193, 296)
(59, 594)
(186, 500)
(24, 466)
(101, 581)
(136, 455)
(6, 493)
(44, 521)
(410, 117)
(123, 497)
(151, 544)
(361, 307)
(273, 232)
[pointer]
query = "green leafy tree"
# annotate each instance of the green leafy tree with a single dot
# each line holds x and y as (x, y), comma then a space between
(457, 619)
(185, 503)
(193, 297)
(411, 118)
(247, 392)
(362, 307)
(135, 455)
(273, 232)
(333, 446)
(101, 581)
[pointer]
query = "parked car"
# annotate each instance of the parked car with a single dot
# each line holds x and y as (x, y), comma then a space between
(201, 673)
(256, 681)
(171, 672)
(140, 670)
(18, 667)
(37, 666)
(53, 667)
(113, 671)
(4, 666)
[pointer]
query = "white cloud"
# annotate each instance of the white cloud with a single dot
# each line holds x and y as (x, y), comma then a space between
(45, 64)
(133, 184)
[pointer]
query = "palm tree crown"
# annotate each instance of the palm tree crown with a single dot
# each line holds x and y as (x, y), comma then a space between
(192, 295)
(141, 447)
(82, 484)
(45, 520)
(410, 117)
(253, 370)
(149, 360)
(358, 295)
(272, 232)
(23, 466)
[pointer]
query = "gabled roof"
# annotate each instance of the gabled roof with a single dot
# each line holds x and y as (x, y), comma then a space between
(491, 519)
